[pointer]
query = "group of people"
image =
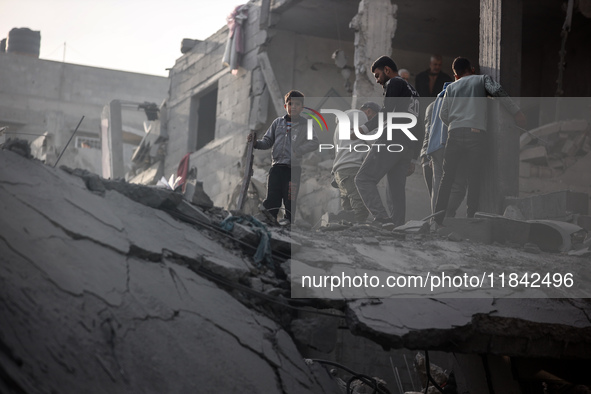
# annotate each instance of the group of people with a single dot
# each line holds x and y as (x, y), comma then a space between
(451, 153)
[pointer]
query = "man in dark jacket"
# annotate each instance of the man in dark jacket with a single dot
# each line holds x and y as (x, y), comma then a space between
(430, 82)
(400, 96)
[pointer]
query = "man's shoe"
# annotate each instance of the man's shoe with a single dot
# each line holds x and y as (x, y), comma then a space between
(270, 218)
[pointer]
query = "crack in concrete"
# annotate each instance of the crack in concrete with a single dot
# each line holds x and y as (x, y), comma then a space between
(46, 276)
(583, 310)
(98, 219)
(71, 234)
(261, 354)
(176, 279)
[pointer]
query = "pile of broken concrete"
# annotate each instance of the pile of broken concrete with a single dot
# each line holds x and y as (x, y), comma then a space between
(114, 287)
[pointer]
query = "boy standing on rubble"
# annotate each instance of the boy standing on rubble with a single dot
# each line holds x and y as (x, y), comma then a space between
(288, 138)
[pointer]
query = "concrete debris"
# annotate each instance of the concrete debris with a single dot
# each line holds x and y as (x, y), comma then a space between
(469, 324)
(195, 194)
(147, 195)
(455, 237)
(19, 146)
(133, 264)
(559, 205)
(547, 151)
(436, 372)
(147, 161)
(513, 212)
(89, 280)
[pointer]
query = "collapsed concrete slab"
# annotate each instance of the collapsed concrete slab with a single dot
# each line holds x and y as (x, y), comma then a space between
(119, 274)
(512, 327)
(100, 294)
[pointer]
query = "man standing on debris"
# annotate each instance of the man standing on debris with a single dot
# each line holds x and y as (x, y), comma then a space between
(399, 96)
(464, 111)
(287, 137)
(432, 158)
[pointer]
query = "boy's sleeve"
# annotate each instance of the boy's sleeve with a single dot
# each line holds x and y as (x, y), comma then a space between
(268, 139)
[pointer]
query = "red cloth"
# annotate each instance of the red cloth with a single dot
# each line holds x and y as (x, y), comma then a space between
(183, 170)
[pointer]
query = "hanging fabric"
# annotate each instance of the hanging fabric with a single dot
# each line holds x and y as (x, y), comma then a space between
(235, 43)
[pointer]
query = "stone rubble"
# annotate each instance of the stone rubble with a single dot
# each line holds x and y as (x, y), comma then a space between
(132, 264)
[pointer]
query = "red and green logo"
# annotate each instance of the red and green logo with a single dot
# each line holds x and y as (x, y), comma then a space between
(316, 116)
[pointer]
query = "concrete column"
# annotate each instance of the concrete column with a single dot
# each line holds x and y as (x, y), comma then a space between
(112, 141)
(500, 57)
(500, 42)
(374, 25)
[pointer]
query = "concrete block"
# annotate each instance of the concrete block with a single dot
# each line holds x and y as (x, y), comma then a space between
(554, 205)
(479, 230)
(194, 193)
(524, 169)
(536, 154)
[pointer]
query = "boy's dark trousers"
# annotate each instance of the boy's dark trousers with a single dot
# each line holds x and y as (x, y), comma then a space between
(282, 186)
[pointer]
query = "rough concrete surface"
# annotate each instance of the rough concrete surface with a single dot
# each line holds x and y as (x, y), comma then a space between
(103, 290)
(97, 296)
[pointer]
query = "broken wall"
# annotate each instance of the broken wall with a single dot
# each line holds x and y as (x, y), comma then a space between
(39, 96)
(299, 62)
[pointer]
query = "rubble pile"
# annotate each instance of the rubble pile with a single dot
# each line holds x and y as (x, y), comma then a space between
(547, 151)
(147, 162)
(101, 293)
(109, 286)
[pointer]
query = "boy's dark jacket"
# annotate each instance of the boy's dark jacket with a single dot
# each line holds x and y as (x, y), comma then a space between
(288, 148)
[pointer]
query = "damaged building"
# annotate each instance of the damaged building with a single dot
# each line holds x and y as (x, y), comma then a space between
(181, 292)
(43, 101)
